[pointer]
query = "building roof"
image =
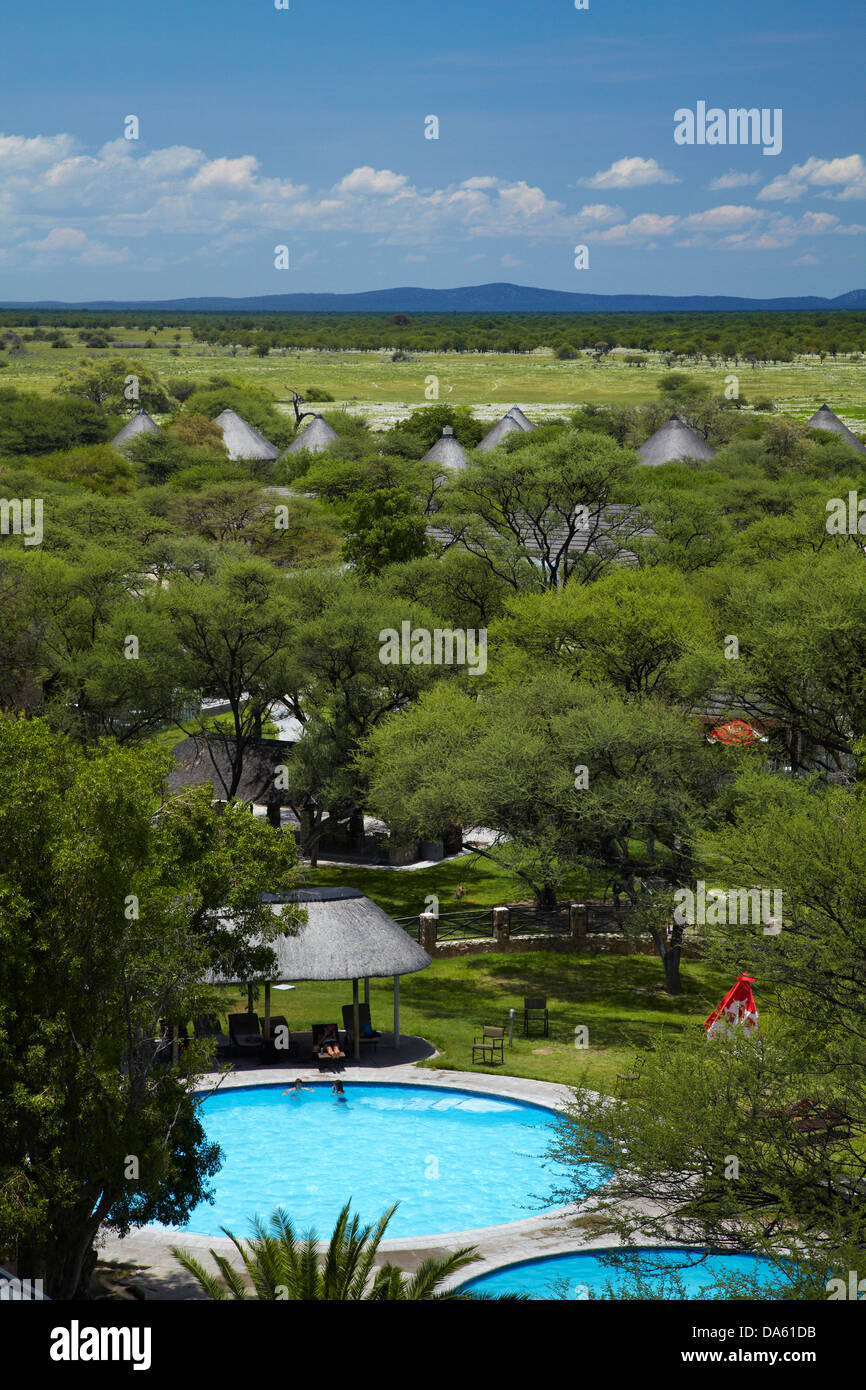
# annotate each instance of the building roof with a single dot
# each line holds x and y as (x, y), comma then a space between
(140, 423)
(675, 440)
(346, 937)
(517, 414)
(208, 758)
(315, 438)
(447, 450)
(241, 440)
(824, 419)
(507, 425)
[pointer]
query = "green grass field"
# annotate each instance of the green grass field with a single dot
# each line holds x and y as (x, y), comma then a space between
(371, 383)
(620, 1000)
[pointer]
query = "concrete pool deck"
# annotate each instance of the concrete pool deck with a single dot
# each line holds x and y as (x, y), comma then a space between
(148, 1248)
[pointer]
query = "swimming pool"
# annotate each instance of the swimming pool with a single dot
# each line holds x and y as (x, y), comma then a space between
(582, 1275)
(454, 1159)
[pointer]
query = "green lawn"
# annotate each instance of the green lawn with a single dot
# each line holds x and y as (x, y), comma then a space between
(403, 892)
(619, 1000)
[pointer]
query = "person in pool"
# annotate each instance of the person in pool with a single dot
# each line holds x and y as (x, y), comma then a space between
(337, 1090)
(297, 1086)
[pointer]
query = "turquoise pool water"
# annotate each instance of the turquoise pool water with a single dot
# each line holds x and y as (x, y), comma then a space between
(566, 1276)
(453, 1159)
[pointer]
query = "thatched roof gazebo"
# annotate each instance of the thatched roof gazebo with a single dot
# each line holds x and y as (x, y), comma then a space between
(507, 425)
(672, 443)
(140, 423)
(825, 419)
(241, 440)
(447, 450)
(346, 937)
(315, 438)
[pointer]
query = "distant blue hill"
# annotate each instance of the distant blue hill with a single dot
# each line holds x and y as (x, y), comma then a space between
(469, 299)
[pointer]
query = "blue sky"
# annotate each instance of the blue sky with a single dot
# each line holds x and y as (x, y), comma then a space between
(305, 127)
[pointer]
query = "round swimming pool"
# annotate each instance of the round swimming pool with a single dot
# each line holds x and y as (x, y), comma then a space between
(453, 1159)
(585, 1275)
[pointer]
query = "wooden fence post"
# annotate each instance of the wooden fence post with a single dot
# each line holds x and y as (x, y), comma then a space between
(501, 925)
(578, 914)
(427, 932)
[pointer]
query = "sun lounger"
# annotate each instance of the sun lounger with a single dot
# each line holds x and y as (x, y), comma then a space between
(367, 1039)
(319, 1037)
(245, 1033)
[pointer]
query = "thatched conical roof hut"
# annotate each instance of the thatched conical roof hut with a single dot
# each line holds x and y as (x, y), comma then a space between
(140, 423)
(346, 937)
(824, 419)
(447, 450)
(314, 439)
(507, 425)
(241, 440)
(517, 414)
(675, 440)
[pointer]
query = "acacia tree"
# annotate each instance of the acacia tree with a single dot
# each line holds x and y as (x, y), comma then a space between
(340, 690)
(787, 1102)
(113, 906)
(569, 775)
(801, 625)
(537, 511)
(233, 636)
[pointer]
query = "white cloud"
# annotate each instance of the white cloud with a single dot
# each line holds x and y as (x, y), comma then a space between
(599, 212)
(839, 178)
(646, 224)
(733, 180)
(510, 261)
(369, 180)
(120, 195)
(71, 244)
(61, 239)
(23, 152)
(730, 215)
(632, 172)
(226, 173)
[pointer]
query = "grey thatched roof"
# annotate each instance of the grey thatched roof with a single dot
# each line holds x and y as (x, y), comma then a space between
(207, 758)
(675, 440)
(345, 937)
(824, 419)
(507, 425)
(447, 450)
(140, 423)
(314, 439)
(517, 414)
(241, 440)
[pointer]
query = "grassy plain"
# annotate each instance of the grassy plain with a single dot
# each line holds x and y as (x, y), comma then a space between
(370, 382)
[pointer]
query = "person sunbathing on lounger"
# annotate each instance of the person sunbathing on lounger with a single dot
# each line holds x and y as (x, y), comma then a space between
(329, 1043)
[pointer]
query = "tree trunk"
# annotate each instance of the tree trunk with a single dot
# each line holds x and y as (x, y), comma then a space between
(545, 896)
